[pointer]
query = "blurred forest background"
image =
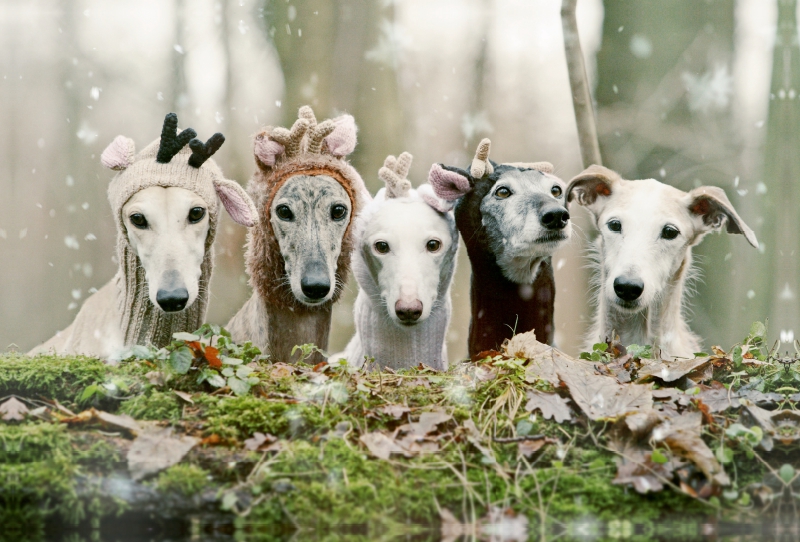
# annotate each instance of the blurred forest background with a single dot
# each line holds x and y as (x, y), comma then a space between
(689, 92)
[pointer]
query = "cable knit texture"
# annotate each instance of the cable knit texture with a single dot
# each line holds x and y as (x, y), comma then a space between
(377, 335)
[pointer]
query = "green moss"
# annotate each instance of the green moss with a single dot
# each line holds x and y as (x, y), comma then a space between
(186, 480)
(153, 405)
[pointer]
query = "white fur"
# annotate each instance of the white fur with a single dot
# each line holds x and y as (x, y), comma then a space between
(170, 250)
(644, 208)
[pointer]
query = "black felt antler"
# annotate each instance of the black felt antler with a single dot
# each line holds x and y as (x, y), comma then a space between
(172, 143)
(203, 151)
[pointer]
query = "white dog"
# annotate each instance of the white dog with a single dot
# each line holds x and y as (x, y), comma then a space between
(647, 231)
(404, 259)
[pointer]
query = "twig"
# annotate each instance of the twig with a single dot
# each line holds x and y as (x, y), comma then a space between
(504, 440)
(581, 96)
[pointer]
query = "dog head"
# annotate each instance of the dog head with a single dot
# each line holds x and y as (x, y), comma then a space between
(407, 243)
(516, 210)
(647, 229)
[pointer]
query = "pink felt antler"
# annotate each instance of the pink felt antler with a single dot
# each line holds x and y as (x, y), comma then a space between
(448, 185)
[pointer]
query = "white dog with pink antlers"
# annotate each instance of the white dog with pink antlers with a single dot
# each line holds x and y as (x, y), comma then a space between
(404, 259)
(644, 251)
(165, 202)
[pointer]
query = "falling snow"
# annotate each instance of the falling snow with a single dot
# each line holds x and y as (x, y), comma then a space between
(710, 91)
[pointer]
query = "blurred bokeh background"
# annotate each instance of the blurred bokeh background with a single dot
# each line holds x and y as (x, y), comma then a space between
(689, 92)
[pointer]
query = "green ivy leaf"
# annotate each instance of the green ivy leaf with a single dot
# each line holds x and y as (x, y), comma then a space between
(228, 371)
(758, 330)
(186, 337)
(786, 473)
(238, 386)
(215, 380)
(231, 361)
(724, 455)
(181, 360)
(601, 347)
(90, 391)
(244, 371)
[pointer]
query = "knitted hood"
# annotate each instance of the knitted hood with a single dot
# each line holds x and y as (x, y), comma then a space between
(167, 162)
(308, 148)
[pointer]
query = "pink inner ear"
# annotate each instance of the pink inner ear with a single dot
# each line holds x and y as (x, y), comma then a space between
(119, 153)
(267, 150)
(437, 203)
(448, 185)
(342, 141)
(236, 202)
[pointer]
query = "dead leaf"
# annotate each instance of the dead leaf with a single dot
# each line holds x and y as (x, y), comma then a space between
(153, 452)
(503, 524)
(395, 411)
(528, 447)
(157, 378)
(260, 442)
(427, 422)
(418, 382)
(380, 445)
(672, 370)
(601, 397)
(185, 396)
(544, 361)
(682, 435)
(13, 410)
(211, 440)
(211, 354)
(108, 421)
(718, 398)
(551, 405)
(281, 370)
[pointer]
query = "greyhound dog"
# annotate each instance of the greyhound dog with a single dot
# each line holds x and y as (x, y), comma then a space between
(298, 254)
(404, 274)
(512, 218)
(165, 200)
(644, 252)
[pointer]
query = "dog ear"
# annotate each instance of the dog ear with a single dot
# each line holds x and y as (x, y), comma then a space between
(712, 205)
(449, 183)
(119, 153)
(236, 202)
(429, 196)
(593, 182)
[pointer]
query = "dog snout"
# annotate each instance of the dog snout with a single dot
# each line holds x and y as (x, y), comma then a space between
(628, 288)
(172, 300)
(555, 218)
(408, 311)
(315, 282)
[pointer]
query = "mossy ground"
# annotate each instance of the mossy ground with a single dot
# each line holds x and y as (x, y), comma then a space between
(319, 475)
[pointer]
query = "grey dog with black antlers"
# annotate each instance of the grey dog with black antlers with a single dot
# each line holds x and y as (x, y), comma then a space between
(165, 202)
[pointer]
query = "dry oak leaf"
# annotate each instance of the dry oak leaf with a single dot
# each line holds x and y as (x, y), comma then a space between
(395, 411)
(380, 445)
(718, 398)
(682, 435)
(551, 405)
(261, 442)
(672, 370)
(13, 410)
(428, 421)
(528, 447)
(544, 361)
(154, 451)
(601, 397)
(281, 370)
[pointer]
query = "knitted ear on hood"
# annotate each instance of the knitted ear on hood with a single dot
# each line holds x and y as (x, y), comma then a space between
(449, 183)
(427, 194)
(394, 173)
(236, 202)
(119, 154)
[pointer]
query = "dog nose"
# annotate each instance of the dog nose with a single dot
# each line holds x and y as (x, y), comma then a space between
(408, 312)
(172, 300)
(628, 288)
(315, 282)
(555, 218)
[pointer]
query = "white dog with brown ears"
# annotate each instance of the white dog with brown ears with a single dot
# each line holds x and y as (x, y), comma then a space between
(644, 250)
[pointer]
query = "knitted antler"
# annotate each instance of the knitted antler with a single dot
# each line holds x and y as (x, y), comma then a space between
(393, 174)
(172, 143)
(203, 151)
(291, 139)
(480, 164)
(544, 167)
(316, 134)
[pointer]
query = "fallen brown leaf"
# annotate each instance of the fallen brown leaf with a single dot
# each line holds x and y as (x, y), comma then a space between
(718, 398)
(380, 445)
(551, 405)
(601, 397)
(260, 442)
(154, 451)
(395, 411)
(185, 396)
(108, 421)
(672, 370)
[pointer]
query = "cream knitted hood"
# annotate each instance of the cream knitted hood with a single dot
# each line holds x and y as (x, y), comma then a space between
(167, 162)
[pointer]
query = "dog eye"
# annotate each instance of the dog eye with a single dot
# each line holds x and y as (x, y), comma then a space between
(433, 245)
(284, 213)
(382, 247)
(502, 192)
(338, 211)
(556, 191)
(669, 232)
(615, 225)
(196, 214)
(138, 220)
